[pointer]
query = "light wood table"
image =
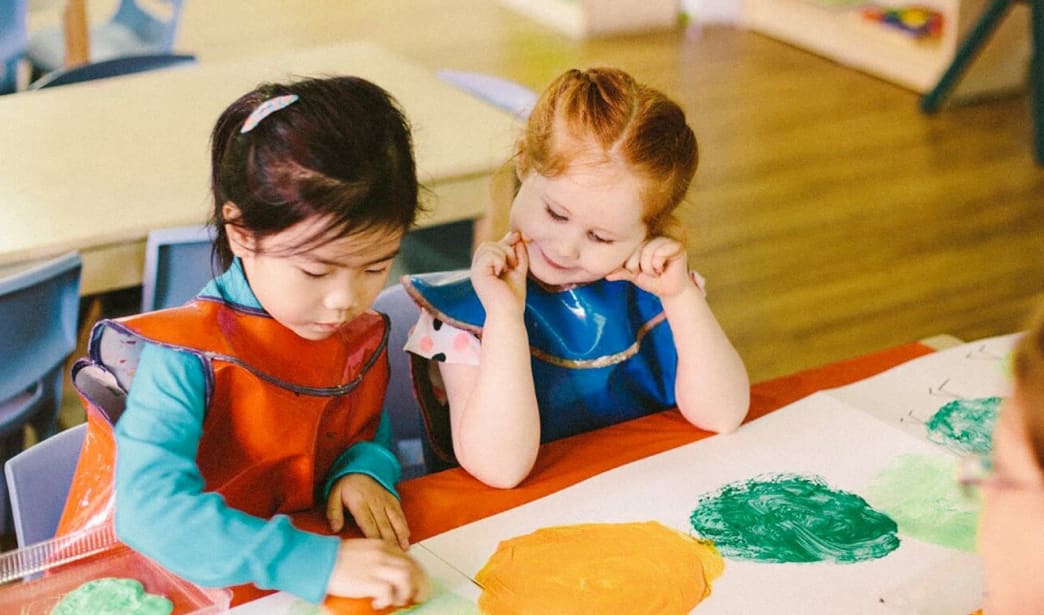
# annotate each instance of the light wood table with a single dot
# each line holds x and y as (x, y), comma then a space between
(95, 166)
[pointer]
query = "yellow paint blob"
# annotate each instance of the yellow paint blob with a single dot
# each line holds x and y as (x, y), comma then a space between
(629, 568)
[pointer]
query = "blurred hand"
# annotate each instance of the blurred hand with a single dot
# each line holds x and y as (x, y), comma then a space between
(371, 568)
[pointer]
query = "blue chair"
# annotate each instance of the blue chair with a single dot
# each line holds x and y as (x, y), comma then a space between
(501, 93)
(179, 262)
(14, 36)
(115, 67)
(437, 248)
(400, 404)
(39, 307)
(131, 31)
(38, 481)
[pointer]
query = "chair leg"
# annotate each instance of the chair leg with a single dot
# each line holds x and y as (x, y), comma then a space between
(966, 51)
(10, 445)
(1036, 77)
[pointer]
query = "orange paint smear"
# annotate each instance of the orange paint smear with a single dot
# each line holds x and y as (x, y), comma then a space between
(629, 568)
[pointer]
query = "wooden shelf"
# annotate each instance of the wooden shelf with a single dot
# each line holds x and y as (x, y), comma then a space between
(844, 35)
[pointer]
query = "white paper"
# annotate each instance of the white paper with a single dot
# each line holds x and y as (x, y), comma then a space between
(907, 395)
(818, 435)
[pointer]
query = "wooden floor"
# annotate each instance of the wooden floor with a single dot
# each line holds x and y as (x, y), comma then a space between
(830, 217)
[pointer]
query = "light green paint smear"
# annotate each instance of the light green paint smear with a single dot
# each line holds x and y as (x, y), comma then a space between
(965, 425)
(112, 596)
(442, 602)
(792, 518)
(300, 607)
(920, 493)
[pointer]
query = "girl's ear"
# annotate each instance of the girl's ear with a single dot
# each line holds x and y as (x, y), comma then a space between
(240, 240)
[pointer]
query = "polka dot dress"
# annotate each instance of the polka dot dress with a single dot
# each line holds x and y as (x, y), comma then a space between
(434, 339)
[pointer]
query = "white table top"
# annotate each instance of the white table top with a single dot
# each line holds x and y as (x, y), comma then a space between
(95, 166)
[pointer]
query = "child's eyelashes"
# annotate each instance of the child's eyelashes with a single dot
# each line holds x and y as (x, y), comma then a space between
(593, 236)
(379, 270)
(314, 274)
(557, 217)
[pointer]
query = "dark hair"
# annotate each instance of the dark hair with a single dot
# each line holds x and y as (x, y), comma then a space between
(342, 150)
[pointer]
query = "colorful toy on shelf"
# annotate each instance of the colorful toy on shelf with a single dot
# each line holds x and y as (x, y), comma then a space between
(920, 22)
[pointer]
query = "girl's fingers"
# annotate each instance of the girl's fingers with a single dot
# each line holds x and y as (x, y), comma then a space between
(659, 262)
(383, 595)
(633, 263)
(511, 238)
(422, 586)
(645, 261)
(385, 529)
(522, 255)
(364, 519)
(404, 580)
(402, 531)
(669, 250)
(490, 258)
(657, 252)
(335, 512)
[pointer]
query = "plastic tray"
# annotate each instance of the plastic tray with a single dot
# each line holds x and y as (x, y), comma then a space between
(39, 575)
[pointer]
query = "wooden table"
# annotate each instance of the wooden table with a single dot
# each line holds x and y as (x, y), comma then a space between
(95, 166)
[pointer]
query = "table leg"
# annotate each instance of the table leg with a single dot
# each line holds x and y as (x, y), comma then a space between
(991, 18)
(77, 45)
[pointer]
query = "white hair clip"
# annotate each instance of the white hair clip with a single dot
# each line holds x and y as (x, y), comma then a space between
(266, 109)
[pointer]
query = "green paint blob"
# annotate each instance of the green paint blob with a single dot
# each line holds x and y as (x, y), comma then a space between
(965, 425)
(112, 596)
(920, 493)
(792, 518)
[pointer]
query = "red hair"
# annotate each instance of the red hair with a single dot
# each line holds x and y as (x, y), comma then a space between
(601, 115)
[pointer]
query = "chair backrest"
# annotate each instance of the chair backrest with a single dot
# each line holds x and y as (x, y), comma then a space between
(125, 65)
(179, 262)
(38, 481)
(400, 403)
(14, 36)
(158, 30)
(39, 308)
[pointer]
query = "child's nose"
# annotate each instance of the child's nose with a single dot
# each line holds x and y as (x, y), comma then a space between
(341, 297)
(568, 247)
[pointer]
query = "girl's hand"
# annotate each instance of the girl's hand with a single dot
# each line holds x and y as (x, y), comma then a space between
(376, 511)
(367, 567)
(659, 266)
(498, 273)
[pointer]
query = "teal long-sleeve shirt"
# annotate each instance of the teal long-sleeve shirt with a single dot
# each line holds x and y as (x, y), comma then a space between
(161, 508)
